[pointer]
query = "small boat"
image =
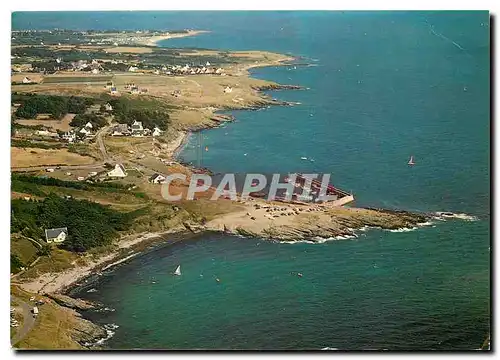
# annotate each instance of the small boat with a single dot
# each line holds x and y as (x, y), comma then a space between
(299, 274)
(303, 158)
(178, 271)
(217, 280)
(411, 161)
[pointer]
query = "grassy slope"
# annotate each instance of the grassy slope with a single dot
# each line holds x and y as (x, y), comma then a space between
(53, 327)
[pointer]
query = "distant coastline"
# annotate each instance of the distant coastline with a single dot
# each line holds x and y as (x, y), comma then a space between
(154, 40)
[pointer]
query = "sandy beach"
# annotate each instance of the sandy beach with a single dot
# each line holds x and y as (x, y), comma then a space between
(56, 282)
(153, 41)
(175, 146)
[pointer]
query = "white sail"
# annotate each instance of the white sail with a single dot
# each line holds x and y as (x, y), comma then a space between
(411, 162)
(178, 270)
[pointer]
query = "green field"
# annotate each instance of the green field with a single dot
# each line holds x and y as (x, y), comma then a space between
(76, 79)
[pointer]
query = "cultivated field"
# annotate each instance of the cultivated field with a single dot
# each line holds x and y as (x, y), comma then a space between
(62, 124)
(76, 79)
(28, 157)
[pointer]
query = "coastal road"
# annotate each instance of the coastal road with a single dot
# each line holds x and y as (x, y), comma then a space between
(28, 320)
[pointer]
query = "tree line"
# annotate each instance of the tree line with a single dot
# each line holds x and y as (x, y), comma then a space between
(89, 224)
(126, 113)
(56, 106)
(97, 121)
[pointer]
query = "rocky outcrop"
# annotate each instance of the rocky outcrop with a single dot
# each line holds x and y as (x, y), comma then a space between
(312, 223)
(87, 333)
(278, 87)
(193, 227)
(69, 302)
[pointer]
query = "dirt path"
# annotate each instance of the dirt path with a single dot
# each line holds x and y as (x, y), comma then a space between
(28, 321)
(64, 167)
(100, 142)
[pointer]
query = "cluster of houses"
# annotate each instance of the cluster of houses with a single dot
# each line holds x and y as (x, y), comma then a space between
(93, 66)
(188, 70)
(134, 89)
(180, 70)
(135, 130)
(73, 135)
(98, 66)
(131, 88)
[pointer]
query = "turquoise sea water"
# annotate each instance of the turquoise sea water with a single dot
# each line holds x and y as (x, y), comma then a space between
(384, 86)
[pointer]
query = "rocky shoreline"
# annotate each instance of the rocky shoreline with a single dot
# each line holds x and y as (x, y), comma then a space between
(287, 223)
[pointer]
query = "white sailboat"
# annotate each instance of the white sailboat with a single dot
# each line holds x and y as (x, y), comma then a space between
(178, 270)
(411, 161)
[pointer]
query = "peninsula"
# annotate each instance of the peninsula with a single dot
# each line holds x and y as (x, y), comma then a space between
(97, 119)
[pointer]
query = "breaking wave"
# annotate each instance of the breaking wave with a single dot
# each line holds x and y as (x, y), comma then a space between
(105, 309)
(403, 229)
(109, 334)
(319, 240)
(443, 215)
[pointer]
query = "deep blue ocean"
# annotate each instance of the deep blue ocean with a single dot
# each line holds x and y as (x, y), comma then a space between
(381, 86)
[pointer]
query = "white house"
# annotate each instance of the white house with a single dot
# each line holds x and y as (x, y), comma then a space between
(207, 64)
(228, 90)
(157, 179)
(156, 131)
(120, 130)
(108, 107)
(118, 171)
(88, 125)
(69, 136)
(95, 71)
(57, 235)
(84, 131)
(27, 80)
(137, 129)
(132, 69)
